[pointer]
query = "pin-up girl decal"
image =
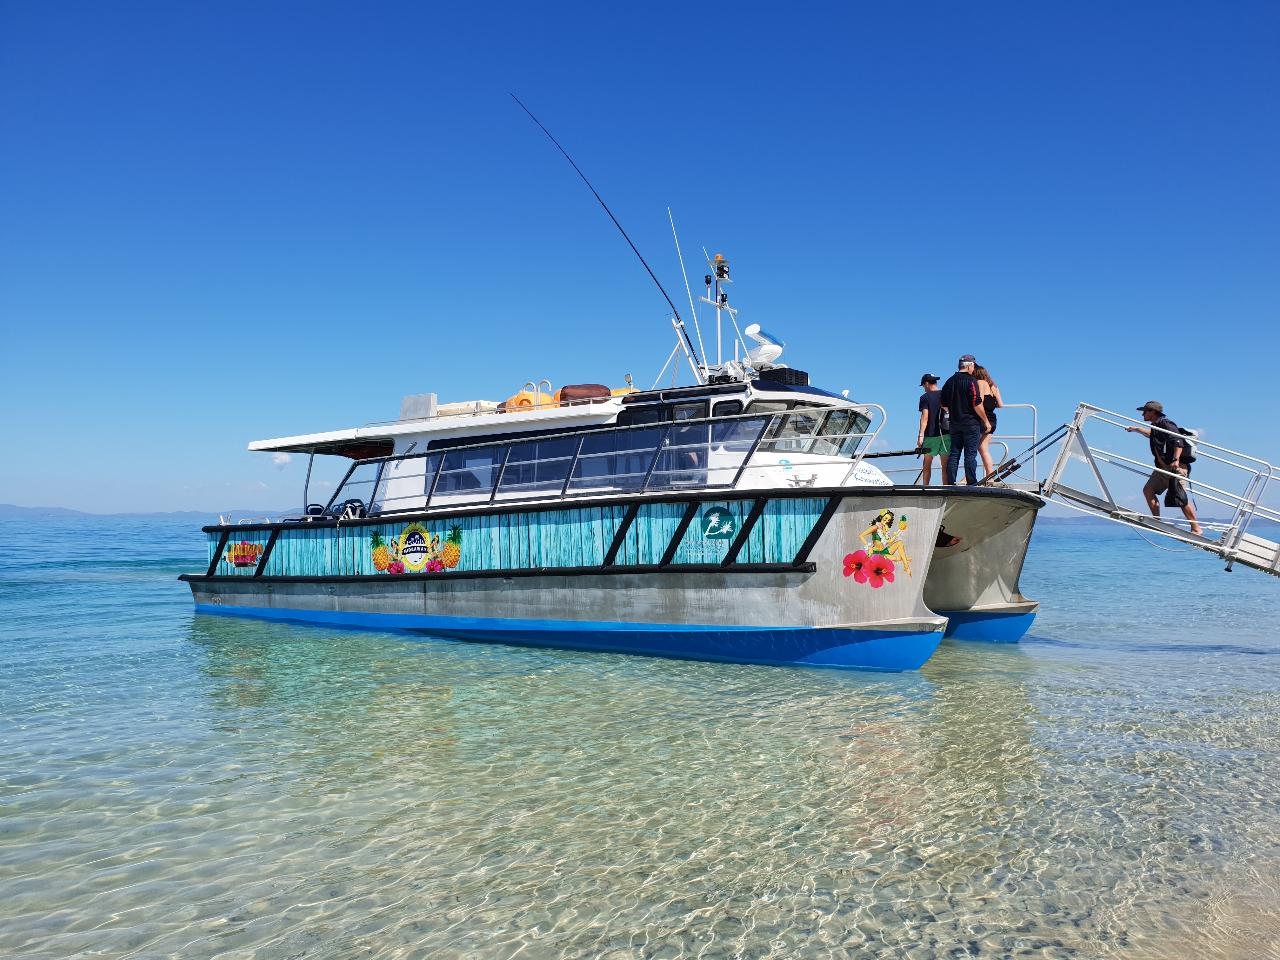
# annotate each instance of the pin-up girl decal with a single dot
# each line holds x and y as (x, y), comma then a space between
(882, 540)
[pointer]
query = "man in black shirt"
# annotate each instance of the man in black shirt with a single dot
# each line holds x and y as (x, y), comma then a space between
(969, 422)
(1172, 454)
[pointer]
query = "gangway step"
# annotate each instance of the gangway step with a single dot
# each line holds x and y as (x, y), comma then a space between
(1258, 553)
(1250, 551)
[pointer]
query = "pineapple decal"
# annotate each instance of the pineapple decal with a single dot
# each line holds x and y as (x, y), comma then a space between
(415, 549)
(452, 551)
(382, 559)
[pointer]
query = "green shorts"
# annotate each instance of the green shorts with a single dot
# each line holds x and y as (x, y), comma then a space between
(937, 446)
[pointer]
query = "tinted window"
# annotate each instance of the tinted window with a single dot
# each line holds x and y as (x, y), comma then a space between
(611, 441)
(469, 470)
(544, 449)
(636, 416)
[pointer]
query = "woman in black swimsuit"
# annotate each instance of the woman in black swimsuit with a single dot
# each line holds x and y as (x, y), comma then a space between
(991, 400)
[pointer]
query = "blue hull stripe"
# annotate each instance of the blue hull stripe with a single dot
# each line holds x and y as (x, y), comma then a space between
(836, 647)
(987, 626)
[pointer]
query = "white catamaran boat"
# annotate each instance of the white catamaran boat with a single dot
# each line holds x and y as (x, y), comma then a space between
(739, 518)
(733, 519)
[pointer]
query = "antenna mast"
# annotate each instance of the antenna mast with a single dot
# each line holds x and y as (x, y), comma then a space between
(678, 322)
(693, 310)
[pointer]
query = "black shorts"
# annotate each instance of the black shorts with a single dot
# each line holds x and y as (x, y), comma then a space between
(1174, 490)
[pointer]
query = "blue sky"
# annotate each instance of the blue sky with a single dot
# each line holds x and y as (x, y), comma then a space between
(246, 220)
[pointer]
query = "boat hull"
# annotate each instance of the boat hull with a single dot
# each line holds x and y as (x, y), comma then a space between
(802, 582)
(988, 626)
(831, 647)
(975, 584)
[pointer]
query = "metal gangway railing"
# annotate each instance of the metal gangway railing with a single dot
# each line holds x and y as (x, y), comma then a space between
(1236, 482)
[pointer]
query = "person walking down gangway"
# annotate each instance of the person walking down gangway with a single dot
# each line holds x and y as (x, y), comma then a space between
(963, 403)
(934, 436)
(991, 401)
(1172, 455)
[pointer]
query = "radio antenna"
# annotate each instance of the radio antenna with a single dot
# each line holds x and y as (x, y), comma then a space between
(693, 310)
(695, 362)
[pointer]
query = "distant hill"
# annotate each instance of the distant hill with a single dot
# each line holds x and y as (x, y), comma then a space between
(1087, 520)
(11, 511)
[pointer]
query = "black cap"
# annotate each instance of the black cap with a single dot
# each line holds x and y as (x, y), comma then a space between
(928, 378)
(967, 358)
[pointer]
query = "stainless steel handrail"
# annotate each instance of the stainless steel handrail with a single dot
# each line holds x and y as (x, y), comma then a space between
(766, 434)
(1245, 506)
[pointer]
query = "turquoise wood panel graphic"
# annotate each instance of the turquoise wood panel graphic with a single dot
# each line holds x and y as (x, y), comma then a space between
(646, 540)
(781, 530)
(714, 528)
(576, 537)
(505, 541)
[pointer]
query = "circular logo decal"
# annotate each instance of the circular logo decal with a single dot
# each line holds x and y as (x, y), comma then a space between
(415, 547)
(718, 523)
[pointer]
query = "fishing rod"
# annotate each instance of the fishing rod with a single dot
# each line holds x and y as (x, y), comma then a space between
(693, 353)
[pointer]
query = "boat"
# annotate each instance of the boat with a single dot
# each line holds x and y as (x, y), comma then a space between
(736, 518)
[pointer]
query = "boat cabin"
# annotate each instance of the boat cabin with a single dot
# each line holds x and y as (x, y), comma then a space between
(742, 434)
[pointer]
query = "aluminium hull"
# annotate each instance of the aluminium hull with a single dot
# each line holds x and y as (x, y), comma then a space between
(814, 590)
(895, 647)
(975, 584)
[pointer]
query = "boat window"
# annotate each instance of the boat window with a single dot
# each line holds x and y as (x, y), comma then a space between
(358, 485)
(638, 416)
(737, 434)
(683, 460)
(838, 436)
(793, 432)
(768, 406)
(539, 466)
(689, 411)
(727, 408)
(616, 459)
(682, 436)
(469, 471)
(553, 449)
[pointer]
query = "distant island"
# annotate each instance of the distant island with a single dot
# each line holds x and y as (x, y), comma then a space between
(11, 511)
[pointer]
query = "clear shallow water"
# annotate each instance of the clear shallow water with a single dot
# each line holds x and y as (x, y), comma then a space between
(173, 785)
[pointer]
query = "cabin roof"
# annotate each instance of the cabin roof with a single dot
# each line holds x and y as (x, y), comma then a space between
(378, 439)
(355, 442)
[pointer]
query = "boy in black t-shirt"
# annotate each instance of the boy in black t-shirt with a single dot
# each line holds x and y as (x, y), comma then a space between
(931, 440)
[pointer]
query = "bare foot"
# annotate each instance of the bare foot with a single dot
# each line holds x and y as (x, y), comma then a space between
(945, 539)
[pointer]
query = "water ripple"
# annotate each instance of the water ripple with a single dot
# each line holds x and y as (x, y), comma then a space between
(174, 785)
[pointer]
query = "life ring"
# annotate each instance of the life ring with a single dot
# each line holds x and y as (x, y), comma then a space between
(523, 400)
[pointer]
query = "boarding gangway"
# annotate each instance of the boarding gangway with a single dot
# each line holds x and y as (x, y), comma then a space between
(1226, 486)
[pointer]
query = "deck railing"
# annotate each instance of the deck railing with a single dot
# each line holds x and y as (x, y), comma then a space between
(708, 453)
(1002, 445)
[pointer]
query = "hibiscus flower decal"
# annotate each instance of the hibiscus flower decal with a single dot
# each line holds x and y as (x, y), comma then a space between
(855, 565)
(880, 571)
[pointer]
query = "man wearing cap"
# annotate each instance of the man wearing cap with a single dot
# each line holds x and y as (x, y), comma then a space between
(931, 440)
(969, 423)
(1172, 454)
